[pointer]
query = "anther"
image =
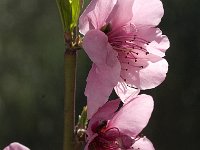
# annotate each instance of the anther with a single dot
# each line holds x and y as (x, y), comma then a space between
(131, 86)
(123, 79)
(124, 69)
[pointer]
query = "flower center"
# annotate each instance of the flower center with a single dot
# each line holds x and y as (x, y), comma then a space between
(131, 48)
(110, 139)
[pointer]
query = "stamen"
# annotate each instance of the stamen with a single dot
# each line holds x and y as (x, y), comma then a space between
(124, 49)
(123, 78)
(134, 46)
(132, 52)
(112, 129)
(124, 69)
(130, 38)
(131, 65)
(109, 143)
(129, 57)
(141, 40)
(131, 86)
(129, 46)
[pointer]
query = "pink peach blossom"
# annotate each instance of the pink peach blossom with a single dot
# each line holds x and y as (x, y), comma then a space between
(125, 46)
(16, 146)
(110, 129)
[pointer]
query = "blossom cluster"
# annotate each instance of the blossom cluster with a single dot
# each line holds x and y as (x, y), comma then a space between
(126, 47)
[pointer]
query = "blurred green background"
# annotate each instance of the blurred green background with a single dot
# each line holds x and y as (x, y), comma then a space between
(31, 77)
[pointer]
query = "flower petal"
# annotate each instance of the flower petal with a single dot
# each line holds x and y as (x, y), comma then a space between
(148, 77)
(133, 116)
(143, 144)
(100, 83)
(158, 43)
(95, 15)
(153, 75)
(95, 44)
(98, 49)
(105, 71)
(121, 13)
(16, 146)
(147, 12)
(125, 92)
(106, 112)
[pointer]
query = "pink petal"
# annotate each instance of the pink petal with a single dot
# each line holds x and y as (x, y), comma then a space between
(152, 75)
(105, 71)
(95, 15)
(97, 90)
(100, 83)
(158, 43)
(16, 146)
(125, 92)
(95, 44)
(147, 12)
(143, 144)
(98, 49)
(106, 112)
(133, 116)
(121, 13)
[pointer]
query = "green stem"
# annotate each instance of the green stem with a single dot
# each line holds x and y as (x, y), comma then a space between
(69, 99)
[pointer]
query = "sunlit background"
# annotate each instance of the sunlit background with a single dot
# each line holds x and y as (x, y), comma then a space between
(31, 77)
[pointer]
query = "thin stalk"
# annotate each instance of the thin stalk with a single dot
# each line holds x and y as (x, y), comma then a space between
(69, 98)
